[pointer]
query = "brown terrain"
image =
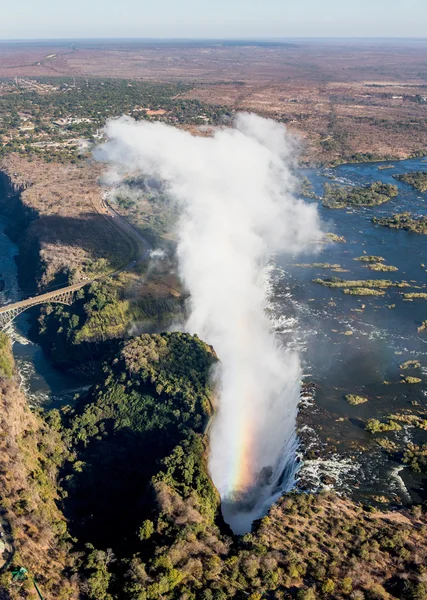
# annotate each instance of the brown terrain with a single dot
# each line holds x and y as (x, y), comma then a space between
(348, 101)
(345, 98)
(67, 223)
(30, 515)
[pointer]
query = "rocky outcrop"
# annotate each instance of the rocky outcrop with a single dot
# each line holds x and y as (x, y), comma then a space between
(22, 216)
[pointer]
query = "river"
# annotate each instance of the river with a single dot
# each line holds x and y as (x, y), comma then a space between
(43, 384)
(355, 345)
(348, 344)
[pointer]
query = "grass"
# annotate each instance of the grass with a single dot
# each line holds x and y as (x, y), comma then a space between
(333, 237)
(318, 266)
(6, 357)
(382, 267)
(410, 380)
(370, 258)
(336, 282)
(371, 195)
(376, 426)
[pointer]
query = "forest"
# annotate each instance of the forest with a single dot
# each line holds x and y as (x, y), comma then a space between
(49, 118)
(117, 485)
(377, 193)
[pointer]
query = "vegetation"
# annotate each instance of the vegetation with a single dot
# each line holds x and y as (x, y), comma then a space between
(130, 455)
(336, 282)
(111, 499)
(410, 364)
(376, 263)
(319, 266)
(381, 267)
(415, 296)
(418, 179)
(49, 118)
(6, 357)
(134, 514)
(88, 331)
(361, 287)
(410, 419)
(148, 208)
(409, 379)
(306, 189)
(333, 237)
(355, 400)
(376, 426)
(362, 291)
(416, 457)
(150, 406)
(372, 195)
(404, 221)
(282, 557)
(31, 453)
(370, 259)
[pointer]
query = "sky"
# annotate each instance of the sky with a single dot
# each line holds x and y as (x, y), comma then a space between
(51, 19)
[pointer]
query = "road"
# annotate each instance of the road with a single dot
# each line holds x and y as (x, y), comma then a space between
(141, 250)
(144, 247)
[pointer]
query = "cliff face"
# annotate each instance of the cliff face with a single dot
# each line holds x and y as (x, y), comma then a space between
(22, 216)
(58, 222)
(30, 453)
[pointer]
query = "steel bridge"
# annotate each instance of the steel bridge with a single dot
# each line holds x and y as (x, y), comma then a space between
(65, 295)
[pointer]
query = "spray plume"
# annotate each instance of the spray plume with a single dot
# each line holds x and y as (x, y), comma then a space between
(237, 209)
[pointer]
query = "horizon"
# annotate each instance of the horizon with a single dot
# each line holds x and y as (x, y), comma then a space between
(254, 38)
(201, 19)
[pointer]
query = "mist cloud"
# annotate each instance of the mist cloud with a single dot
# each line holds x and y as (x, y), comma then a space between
(235, 191)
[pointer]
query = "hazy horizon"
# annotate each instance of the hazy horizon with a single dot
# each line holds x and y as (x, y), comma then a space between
(201, 19)
(260, 39)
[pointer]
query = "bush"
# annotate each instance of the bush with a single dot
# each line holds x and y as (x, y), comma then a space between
(328, 587)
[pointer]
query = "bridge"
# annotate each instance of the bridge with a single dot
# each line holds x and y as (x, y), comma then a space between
(66, 295)
(61, 296)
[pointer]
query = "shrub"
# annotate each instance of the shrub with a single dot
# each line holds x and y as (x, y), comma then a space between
(328, 587)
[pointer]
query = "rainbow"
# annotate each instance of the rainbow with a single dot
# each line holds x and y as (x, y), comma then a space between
(241, 467)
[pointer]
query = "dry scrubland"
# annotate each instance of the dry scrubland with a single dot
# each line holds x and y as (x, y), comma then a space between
(28, 471)
(345, 99)
(65, 222)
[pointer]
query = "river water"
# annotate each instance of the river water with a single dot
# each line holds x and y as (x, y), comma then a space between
(353, 345)
(317, 321)
(43, 384)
